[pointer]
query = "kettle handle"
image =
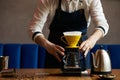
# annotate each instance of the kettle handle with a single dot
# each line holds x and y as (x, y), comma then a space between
(94, 61)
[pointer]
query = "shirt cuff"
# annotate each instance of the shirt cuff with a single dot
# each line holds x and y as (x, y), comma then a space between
(101, 29)
(35, 35)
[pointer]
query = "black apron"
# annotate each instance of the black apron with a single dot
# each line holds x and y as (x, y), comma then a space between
(64, 21)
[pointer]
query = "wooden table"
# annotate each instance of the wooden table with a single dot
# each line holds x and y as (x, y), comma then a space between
(53, 74)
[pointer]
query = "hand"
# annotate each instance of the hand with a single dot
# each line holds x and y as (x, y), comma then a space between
(55, 50)
(90, 42)
(52, 48)
(87, 45)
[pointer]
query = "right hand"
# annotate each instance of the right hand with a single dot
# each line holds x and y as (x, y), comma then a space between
(52, 48)
(55, 50)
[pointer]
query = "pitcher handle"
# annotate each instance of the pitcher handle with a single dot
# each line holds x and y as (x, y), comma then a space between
(64, 59)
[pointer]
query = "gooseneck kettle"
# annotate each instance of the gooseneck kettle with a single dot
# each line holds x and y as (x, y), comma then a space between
(101, 63)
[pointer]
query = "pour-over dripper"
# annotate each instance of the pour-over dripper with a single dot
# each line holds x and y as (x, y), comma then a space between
(71, 38)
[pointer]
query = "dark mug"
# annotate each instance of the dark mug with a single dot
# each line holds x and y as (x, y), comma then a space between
(4, 62)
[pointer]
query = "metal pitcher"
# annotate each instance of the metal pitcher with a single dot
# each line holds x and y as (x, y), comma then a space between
(101, 63)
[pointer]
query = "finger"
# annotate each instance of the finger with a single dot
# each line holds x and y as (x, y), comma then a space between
(82, 45)
(60, 56)
(60, 50)
(84, 48)
(86, 52)
(57, 56)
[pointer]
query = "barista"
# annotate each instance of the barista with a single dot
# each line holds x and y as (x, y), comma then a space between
(66, 15)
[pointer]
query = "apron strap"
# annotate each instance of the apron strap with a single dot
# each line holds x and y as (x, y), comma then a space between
(59, 6)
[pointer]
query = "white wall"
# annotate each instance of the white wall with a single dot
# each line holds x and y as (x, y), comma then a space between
(15, 16)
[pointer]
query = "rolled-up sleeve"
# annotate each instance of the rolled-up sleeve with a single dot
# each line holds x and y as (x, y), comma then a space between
(39, 18)
(98, 16)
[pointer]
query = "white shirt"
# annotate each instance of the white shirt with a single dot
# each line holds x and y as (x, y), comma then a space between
(45, 12)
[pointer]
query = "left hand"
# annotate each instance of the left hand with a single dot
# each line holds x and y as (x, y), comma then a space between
(87, 45)
(90, 42)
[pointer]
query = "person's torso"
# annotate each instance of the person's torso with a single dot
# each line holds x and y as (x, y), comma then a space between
(65, 21)
(66, 6)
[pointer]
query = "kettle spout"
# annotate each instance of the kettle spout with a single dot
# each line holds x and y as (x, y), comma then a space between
(94, 61)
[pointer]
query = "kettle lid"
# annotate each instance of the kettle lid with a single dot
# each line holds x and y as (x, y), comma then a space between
(102, 50)
(101, 47)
